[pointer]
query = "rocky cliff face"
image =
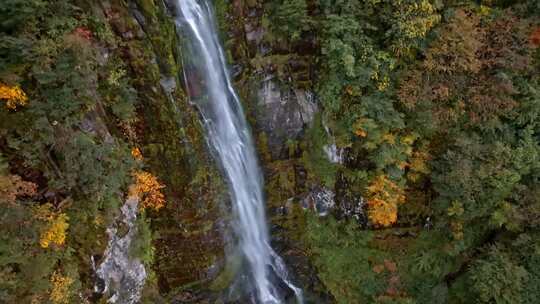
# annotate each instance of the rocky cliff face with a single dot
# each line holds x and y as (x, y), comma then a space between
(274, 84)
(122, 277)
(188, 231)
(442, 134)
(274, 81)
(282, 113)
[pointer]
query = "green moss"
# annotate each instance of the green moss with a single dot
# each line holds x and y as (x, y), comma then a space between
(314, 158)
(168, 132)
(227, 275)
(149, 9)
(161, 32)
(221, 8)
(141, 247)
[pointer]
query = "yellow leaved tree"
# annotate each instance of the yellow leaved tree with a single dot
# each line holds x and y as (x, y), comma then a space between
(383, 199)
(13, 96)
(60, 288)
(56, 226)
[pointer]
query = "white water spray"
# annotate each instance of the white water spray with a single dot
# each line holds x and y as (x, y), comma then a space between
(229, 136)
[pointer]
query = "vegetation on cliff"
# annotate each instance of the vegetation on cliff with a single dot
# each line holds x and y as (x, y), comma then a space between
(434, 105)
(85, 123)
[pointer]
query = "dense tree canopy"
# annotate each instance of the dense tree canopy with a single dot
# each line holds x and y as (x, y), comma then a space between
(434, 104)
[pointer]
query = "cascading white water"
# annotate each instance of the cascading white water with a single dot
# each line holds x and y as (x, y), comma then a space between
(229, 136)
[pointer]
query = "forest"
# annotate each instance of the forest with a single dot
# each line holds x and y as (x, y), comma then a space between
(399, 142)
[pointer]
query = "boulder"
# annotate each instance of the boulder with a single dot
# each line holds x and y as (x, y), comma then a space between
(283, 114)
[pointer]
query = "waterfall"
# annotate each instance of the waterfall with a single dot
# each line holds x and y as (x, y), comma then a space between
(229, 137)
(333, 153)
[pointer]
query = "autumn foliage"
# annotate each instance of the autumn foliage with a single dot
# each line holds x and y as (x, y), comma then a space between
(83, 33)
(383, 199)
(60, 288)
(458, 84)
(12, 186)
(463, 37)
(534, 38)
(136, 153)
(359, 128)
(13, 96)
(56, 226)
(148, 189)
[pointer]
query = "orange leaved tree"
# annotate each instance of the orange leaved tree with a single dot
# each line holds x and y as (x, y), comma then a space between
(14, 96)
(383, 199)
(148, 189)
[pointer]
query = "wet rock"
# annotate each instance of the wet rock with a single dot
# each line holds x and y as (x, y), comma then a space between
(353, 208)
(188, 248)
(172, 7)
(319, 199)
(349, 205)
(236, 70)
(283, 114)
(168, 84)
(254, 34)
(94, 124)
(308, 107)
(323, 201)
(122, 277)
(138, 15)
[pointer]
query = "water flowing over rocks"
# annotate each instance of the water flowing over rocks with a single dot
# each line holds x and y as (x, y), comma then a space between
(353, 208)
(320, 199)
(324, 201)
(333, 152)
(229, 137)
